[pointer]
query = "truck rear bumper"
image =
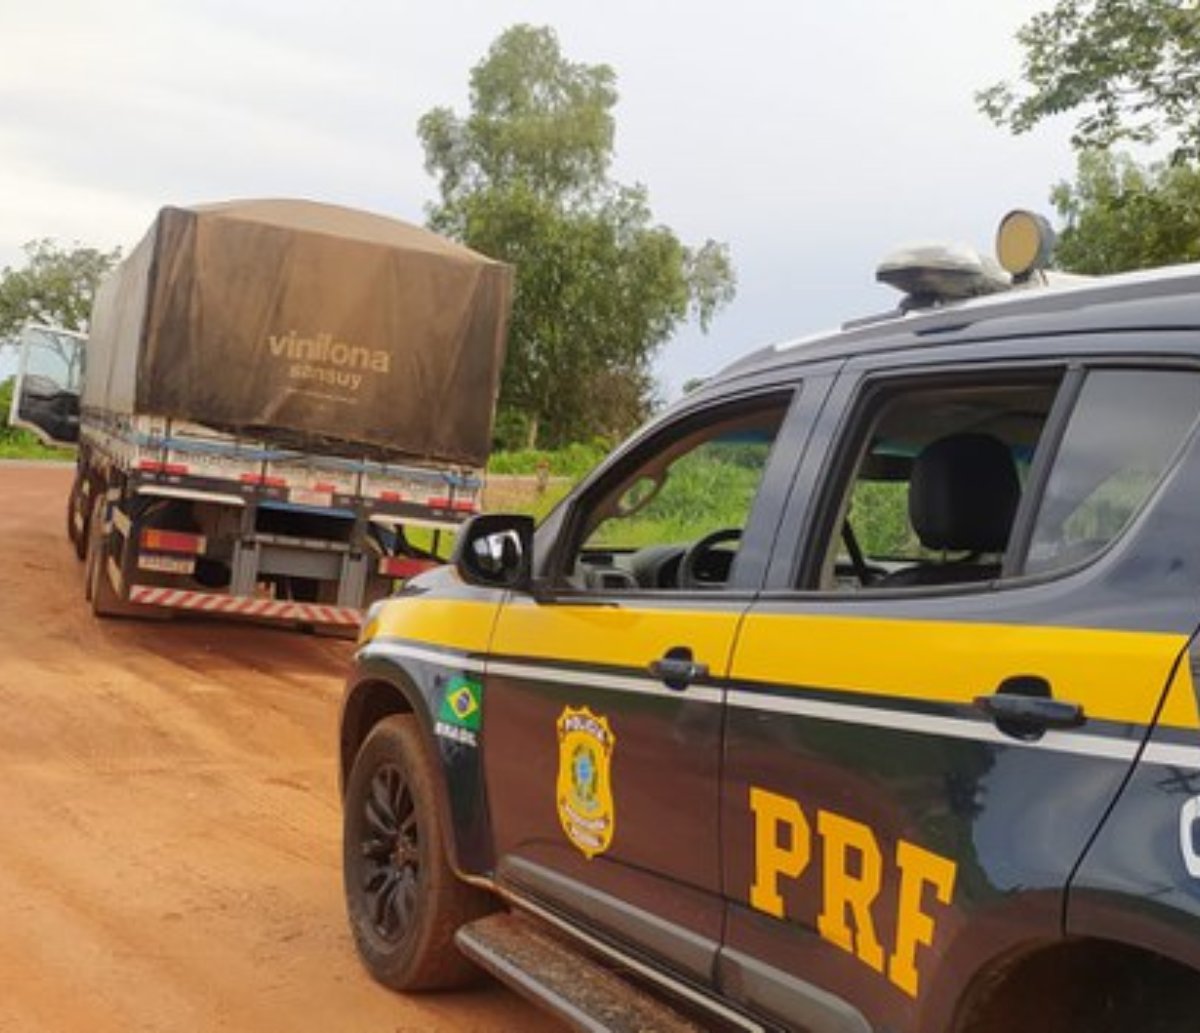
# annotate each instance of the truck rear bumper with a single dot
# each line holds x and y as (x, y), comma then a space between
(244, 606)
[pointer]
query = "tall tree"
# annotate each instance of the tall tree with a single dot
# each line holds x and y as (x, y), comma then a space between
(1120, 215)
(1129, 68)
(524, 177)
(55, 286)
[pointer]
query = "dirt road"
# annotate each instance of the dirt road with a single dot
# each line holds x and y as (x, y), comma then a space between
(169, 822)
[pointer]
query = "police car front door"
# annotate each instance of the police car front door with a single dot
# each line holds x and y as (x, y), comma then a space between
(604, 699)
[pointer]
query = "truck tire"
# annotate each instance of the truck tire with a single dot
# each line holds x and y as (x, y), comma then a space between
(402, 898)
(98, 587)
(78, 539)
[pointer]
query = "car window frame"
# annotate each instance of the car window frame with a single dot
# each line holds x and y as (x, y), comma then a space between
(800, 538)
(800, 397)
(863, 402)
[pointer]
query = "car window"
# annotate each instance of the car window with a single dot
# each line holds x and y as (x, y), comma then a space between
(936, 480)
(674, 519)
(54, 359)
(1123, 432)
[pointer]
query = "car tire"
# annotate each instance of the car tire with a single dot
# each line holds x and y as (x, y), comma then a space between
(403, 900)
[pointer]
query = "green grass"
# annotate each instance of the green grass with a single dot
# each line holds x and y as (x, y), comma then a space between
(573, 461)
(20, 444)
(16, 443)
(712, 487)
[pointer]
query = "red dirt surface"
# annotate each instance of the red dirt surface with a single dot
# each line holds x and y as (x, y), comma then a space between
(169, 817)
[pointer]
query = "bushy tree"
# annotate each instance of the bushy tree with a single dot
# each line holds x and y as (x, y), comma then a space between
(1120, 215)
(524, 177)
(1130, 69)
(55, 286)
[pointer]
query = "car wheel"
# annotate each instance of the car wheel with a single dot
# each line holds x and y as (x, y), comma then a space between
(403, 900)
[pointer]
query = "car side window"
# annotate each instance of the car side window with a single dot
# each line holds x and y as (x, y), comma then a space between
(672, 517)
(936, 478)
(1126, 427)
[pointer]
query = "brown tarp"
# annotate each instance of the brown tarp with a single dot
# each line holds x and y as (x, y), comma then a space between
(306, 325)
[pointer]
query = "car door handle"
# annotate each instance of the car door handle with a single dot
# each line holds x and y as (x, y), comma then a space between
(1024, 708)
(677, 669)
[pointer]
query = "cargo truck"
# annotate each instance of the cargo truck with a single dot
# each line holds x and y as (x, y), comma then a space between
(283, 406)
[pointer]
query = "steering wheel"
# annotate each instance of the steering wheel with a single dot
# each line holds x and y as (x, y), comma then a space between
(696, 553)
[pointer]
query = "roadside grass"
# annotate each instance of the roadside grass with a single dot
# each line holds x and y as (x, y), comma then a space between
(21, 444)
(17, 443)
(571, 462)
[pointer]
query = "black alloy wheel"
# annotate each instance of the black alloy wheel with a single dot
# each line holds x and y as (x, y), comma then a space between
(403, 899)
(391, 853)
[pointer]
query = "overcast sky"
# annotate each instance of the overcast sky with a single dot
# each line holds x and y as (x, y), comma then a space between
(811, 137)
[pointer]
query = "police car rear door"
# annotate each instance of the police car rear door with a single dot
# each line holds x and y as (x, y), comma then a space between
(940, 690)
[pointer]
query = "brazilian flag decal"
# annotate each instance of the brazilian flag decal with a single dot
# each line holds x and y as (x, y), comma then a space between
(462, 704)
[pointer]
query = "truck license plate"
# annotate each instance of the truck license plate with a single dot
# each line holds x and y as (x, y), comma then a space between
(167, 564)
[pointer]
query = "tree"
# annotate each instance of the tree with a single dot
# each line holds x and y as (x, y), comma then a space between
(1130, 68)
(524, 177)
(1120, 215)
(55, 286)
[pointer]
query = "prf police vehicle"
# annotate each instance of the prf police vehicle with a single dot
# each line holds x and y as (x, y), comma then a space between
(856, 693)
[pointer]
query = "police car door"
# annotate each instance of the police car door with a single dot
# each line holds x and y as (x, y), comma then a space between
(939, 692)
(604, 692)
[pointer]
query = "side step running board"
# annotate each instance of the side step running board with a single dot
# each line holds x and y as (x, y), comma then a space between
(568, 983)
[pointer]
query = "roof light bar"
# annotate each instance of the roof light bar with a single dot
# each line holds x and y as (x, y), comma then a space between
(931, 274)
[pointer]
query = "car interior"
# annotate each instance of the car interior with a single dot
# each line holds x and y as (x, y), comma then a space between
(936, 487)
(674, 520)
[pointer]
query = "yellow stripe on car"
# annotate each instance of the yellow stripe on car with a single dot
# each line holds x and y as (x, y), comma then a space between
(450, 623)
(1114, 675)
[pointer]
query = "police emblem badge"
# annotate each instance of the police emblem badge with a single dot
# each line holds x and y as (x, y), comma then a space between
(584, 790)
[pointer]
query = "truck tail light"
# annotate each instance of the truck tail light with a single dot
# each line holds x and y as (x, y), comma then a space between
(155, 540)
(403, 566)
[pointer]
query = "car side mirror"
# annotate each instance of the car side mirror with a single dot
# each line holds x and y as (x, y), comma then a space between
(496, 550)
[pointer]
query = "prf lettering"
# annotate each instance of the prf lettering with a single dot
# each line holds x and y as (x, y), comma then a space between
(854, 869)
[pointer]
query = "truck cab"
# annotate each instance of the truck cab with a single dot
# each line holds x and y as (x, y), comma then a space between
(48, 384)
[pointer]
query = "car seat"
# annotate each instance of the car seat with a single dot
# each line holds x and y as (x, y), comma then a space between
(962, 497)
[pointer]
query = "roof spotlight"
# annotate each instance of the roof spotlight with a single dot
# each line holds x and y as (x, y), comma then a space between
(1024, 243)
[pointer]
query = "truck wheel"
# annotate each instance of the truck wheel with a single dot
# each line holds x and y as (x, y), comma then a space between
(98, 587)
(403, 900)
(75, 503)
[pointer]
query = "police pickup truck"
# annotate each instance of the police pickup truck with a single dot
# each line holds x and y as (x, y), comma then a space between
(855, 693)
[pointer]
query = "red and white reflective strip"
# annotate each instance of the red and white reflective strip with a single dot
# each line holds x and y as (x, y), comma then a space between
(243, 605)
(263, 480)
(156, 466)
(459, 505)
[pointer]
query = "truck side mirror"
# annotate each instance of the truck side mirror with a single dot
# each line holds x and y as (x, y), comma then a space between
(496, 550)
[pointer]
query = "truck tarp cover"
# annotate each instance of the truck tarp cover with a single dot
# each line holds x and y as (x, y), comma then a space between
(307, 326)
